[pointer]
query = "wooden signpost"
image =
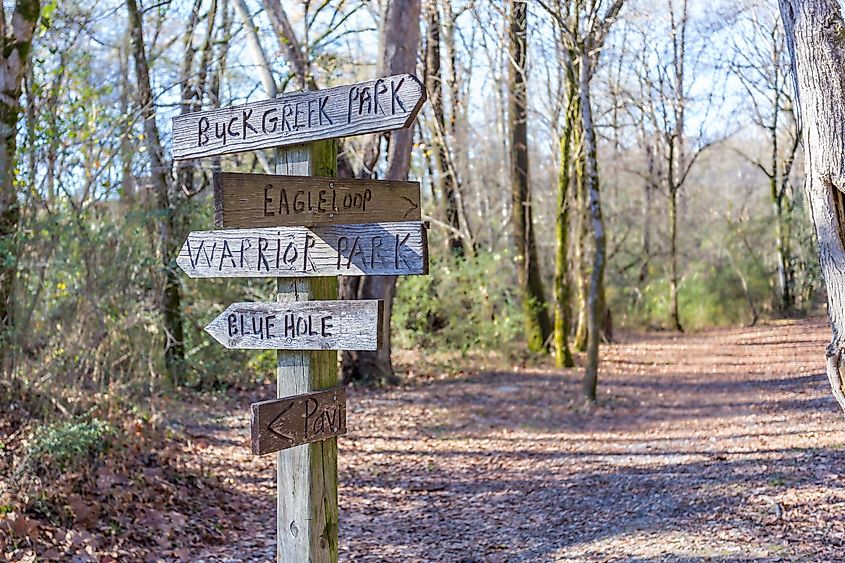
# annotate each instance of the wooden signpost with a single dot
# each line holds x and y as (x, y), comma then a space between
(244, 201)
(312, 325)
(301, 117)
(304, 227)
(371, 249)
(284, 423)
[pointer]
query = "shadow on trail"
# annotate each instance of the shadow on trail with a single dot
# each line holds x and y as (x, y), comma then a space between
(696, 449)
(559, 510)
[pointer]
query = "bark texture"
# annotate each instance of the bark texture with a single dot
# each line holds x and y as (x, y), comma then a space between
(538, 327)
(677, 165)
(563, 311)
(815, 34)
(595, 295)
(17, 43)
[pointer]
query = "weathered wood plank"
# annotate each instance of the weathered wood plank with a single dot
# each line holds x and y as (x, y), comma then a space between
(243, 201)
(292, 421)
(309, 325)
(307, 520)
(301, 117)
(345, 250)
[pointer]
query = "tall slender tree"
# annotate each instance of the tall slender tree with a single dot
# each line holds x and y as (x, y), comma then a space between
(441, 156)
(538, 327)
(170, 297)
(762, 66)
(584, 32)
(563, 310)
(14, 58)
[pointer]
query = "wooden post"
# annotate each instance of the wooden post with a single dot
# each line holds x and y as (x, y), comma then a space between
(307, 511)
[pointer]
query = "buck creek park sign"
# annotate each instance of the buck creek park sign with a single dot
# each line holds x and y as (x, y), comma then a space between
(292, 227)
(302, 117)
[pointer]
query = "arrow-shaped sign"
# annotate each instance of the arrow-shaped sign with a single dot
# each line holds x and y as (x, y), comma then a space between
(302, 117)
(284, 423)
(300, 325)
(370, 249)
(243, 201)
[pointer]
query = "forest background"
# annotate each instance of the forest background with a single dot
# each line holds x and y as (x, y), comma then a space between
(673, 198)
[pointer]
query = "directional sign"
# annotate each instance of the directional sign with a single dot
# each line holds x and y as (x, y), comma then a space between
(293, 421)
(378, 249)
(302, 117)
(300, 325)
(263, 200)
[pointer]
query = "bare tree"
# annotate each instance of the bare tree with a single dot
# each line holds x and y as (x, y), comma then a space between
(585, 30)
(458, 235)
(568, 137)
(816, 45)
(538, 327)
(762, 66)
(665, 87)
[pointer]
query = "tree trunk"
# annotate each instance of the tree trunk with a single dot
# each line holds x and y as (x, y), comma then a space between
(596, 292)
(581, 266)
(536, 316)
(777, 198)
(817, 49)
(185, 176)
(13, 60)
(127, 154)
(255, 48)
(434, 86)
(677, 161)
(290, 45)
(649, 187)
(674, 313)
(170, 298)
(563, 311)
(400, 41)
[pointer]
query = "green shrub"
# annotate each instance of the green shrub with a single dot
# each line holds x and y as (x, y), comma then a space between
(70, 444)
(460, 305)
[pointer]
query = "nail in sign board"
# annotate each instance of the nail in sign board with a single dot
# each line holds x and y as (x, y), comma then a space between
(300, 325)
(284, 423)
(378, 249)
(301, 117)
(243, 201)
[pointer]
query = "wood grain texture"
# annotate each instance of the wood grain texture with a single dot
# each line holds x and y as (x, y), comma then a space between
(311, 325)
(814, 31)
(302, 117)
(292, 421)
(347, 250)
(243, 201)
(307, 505)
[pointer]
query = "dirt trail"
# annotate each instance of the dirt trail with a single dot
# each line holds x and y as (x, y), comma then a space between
(722, 445)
